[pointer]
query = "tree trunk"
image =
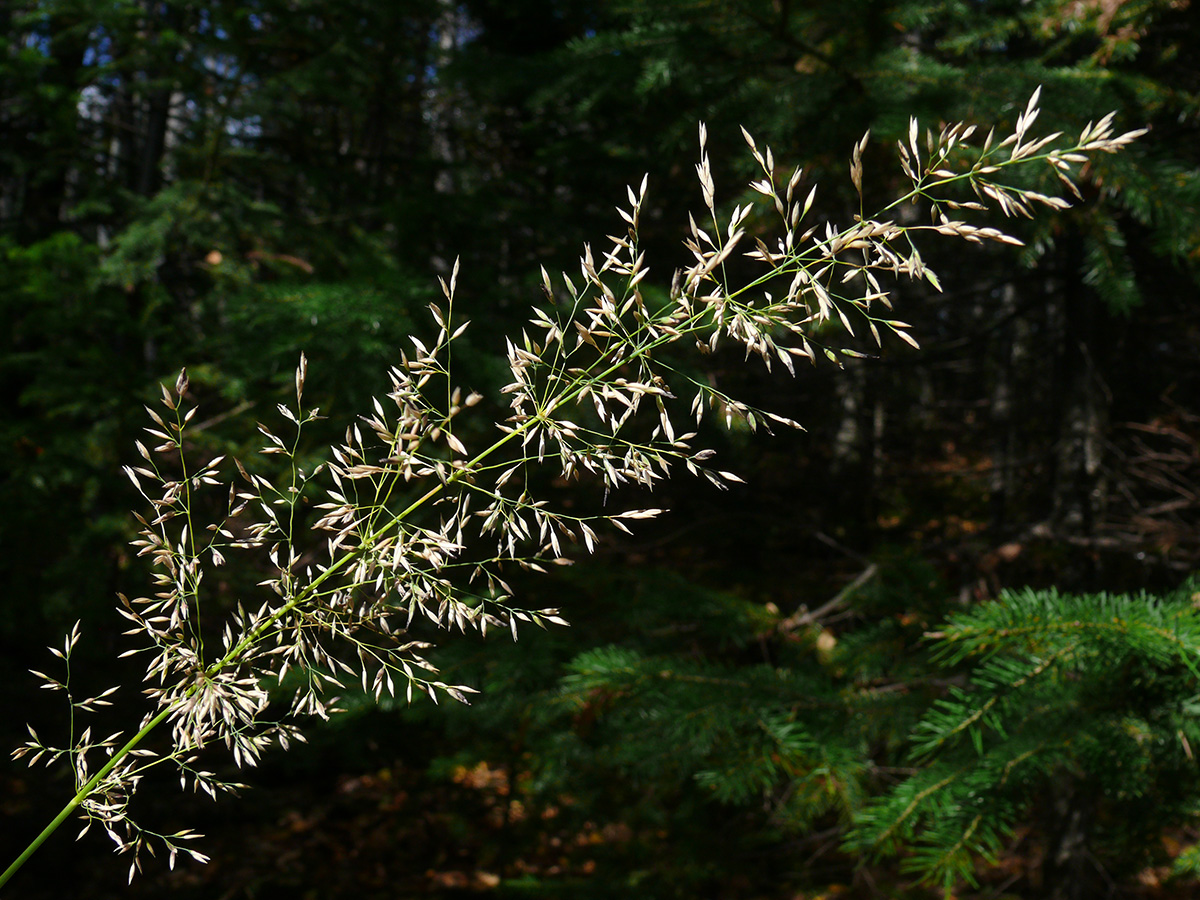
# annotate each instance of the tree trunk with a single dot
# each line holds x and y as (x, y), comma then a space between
(50, 135)
(1082, 411)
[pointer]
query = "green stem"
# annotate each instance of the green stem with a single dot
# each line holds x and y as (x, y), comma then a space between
(82, 794)
(236, 652)
(568, 394)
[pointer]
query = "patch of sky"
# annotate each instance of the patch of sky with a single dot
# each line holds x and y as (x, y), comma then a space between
(38, 42)
(247, 128)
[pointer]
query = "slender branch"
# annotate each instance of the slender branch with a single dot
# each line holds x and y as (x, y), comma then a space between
(83, 793)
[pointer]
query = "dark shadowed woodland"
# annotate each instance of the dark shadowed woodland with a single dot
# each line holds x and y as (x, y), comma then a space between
(942, 642)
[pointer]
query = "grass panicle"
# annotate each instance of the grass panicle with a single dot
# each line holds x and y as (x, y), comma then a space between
(416, 523)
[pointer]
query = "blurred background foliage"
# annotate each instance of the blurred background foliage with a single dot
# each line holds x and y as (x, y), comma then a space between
(757, 690)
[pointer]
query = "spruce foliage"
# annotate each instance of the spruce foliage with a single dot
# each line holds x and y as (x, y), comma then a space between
(1039, 725)
(1091, 695)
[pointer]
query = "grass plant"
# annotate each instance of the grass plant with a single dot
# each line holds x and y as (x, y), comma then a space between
(414, 523)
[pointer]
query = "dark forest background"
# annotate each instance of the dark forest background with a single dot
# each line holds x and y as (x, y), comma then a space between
(221, 185)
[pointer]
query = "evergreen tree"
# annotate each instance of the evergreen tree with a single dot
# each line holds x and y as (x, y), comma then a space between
(218, 186)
